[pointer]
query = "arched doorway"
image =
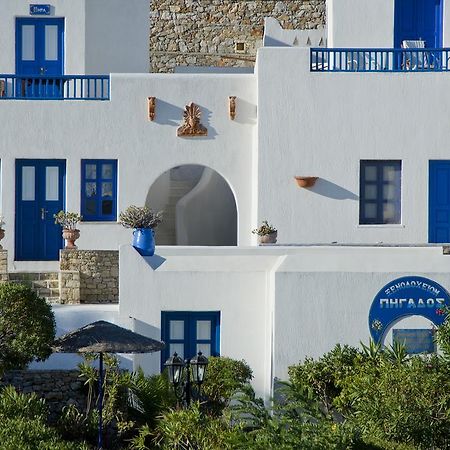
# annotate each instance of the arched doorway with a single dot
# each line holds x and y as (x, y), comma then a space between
(199, 207)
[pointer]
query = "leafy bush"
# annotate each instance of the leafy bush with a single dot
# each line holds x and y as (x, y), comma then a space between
(224, 377)
(68, 220)
(27, 327)
(140, 217)
(14, 405)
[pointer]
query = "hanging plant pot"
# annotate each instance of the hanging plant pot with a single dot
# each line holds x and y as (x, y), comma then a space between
(268, 238)
(306, 182)
(144, 241)
(70, 236)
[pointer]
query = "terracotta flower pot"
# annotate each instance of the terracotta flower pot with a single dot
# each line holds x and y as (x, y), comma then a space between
(268, 238)
(2, 235)
(71, 236)
(306, 182)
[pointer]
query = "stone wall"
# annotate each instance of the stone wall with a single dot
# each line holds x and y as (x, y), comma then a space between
(58, 387)
(3, 265)
(206, 32)
(89, 276)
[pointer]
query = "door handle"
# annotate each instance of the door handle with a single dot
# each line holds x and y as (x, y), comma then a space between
(42, 70)
(43, 211)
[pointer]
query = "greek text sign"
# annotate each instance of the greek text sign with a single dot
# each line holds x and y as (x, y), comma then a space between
(39, 10)
(403, 297)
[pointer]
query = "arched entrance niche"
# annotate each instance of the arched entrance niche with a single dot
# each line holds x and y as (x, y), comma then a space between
(199, 207)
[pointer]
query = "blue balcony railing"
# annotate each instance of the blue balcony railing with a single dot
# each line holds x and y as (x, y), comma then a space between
(379, 60)
(63, 87)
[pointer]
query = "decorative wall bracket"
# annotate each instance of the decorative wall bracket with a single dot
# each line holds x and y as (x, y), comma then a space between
(192, 126)
(232, 104)
(151, 108)
(306, 182)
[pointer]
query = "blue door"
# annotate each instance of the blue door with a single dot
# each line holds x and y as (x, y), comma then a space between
(39, 195)
(39, 57)
(418, 20)
(439, 202)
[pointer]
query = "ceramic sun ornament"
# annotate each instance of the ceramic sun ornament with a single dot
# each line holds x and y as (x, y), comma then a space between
(192, 126)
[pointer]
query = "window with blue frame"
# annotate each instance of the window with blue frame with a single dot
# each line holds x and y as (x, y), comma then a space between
(99, 189)
(188, 333)
(380, 192)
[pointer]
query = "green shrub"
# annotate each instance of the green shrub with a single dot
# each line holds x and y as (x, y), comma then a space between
(27, 327)
(14, 405)
(224, 377)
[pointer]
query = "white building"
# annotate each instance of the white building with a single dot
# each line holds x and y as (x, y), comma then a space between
(363, 115)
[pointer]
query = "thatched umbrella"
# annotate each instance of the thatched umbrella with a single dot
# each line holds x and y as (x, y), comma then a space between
(105, 337)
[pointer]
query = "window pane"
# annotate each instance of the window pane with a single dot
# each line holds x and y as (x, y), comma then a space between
(370, 210)
(389, 192)
(389, 213)
(91, 207)
(176, 329)
(107, 189)
(177, 348)
(107, 171)
(205, 349)
(28, 183)
(51, 42)
(28, 51)
(370, 173)
(91, 189)
(370, 192)
(52, 183)
(107, 207)
(203, 329)
(389, 173)
(91, 171)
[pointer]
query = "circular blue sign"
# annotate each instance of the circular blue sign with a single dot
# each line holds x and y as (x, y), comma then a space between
(407, 296)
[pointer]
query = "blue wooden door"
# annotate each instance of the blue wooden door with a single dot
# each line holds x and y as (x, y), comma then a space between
(39, 57)
(418, 19)
(439, 202)
(39, 195)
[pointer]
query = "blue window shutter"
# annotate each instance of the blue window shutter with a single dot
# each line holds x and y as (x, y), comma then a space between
(189, 340)
(96, 184)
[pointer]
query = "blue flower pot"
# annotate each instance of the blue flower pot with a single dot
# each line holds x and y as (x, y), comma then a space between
(144, 241)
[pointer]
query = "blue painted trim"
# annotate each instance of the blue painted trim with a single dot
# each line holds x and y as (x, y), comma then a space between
(379, 60)
(190, 340)
(23, 87)
(99, 217)
(379, 182)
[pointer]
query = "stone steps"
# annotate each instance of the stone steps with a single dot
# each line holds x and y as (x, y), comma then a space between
(45, 284)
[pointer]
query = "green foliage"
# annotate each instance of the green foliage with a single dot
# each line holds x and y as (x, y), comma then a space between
(27, 327)
(443, 335)
(67, 220)
(20, 406)
(192, 429)
(140, 217)
(264, 229)
(150, 396)
(224, 377)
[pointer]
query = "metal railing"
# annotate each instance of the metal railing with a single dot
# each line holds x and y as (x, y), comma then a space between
(379, 60)
(63, 87)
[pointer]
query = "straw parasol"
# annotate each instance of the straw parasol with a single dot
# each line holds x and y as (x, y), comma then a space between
(104, 337)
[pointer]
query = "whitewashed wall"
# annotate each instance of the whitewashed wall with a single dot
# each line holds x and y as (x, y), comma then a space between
(278, 304)
(102, 36)
(120, 129)
(323, 124)
(367, 23)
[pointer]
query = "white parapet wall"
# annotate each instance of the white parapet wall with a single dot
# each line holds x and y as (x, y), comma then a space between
(278, 305)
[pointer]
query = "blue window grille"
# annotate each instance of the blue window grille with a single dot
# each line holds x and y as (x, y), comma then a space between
(99, 189)
(187, 333)
(380, 192)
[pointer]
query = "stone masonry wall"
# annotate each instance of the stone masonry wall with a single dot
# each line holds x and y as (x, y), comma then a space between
(89, 276)
(205, 32)
(3, 265)
(58, 387)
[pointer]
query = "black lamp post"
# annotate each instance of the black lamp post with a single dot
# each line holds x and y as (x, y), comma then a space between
(194, 369)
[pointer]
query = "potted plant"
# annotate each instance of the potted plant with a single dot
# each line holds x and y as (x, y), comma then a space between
(143, 221)
(2, 230)
(69, 221)
(267, 234)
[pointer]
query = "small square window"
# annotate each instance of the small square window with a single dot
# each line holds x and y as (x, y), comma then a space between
(380, 192)
(239, 47)
(99, 190)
